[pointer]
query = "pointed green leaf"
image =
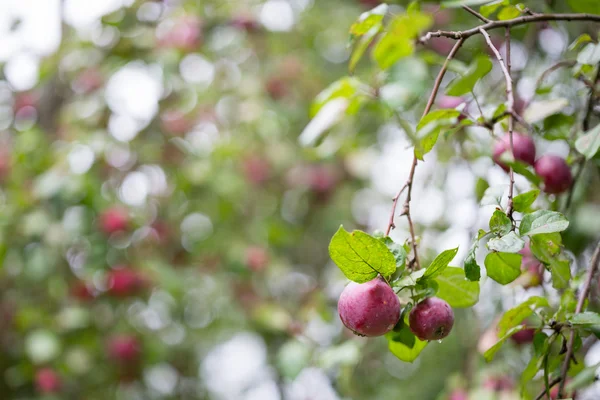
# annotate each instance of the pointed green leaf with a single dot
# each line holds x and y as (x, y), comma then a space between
(589, 143)
(510, 243)
(440, 263)
(516, 315)
(367, 20)
(456, 289)
(500, 223)
(543, 221)
(479, 68)
(491, 352)
(503, 267)
(429, 128)
(585, 318)
(522, 202)
(405, 345)
(360, 256)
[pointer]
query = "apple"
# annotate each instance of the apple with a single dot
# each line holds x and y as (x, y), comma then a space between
(431, 319)
(124, 349)
(524, 336)
(555, 173)
(523, 147)
(257, 258)
(369, 309)
(124, 282)
(115, 219)
(47, 381)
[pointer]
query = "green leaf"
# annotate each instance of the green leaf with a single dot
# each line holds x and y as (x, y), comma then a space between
(561, 273)
(360, 256)
(410, 280)
(520, 168)
(540, 345)
(405, 345)
(581, 39)
(472, 269)
(588, 144)
(503, 267)
(480, 187)
(493, 195)
(500, 224)
(543, 221)
(398, 41)
(348, 88)
(367, 20)
(585, 318)
(429, 128)
(491, 352)
(585, 6)
(509, 12)
(509, 243)
(440, 263)
(540, 110)
(590, 55)
(489, 9)
(454, 287)
(464, 84)
(546, 247)
(522, 202)
(516, 315)
(361, 45)
(583, 379)
(398, 251)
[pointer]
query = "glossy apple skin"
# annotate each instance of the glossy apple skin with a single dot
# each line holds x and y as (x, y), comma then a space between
(431, 319)
(369, 309)
(555, 173)
(47, 381)
(523, 146)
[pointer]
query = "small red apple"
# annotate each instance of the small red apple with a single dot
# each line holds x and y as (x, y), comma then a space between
(125, 282)
(431, 319)
(245, 22)
(256, 169)
(175, 122)
(523, 147)
(524, 336)
(369, 309)
(113, 220)
(124, 349)
(185, 34)
(277, 88)
(257, 258)
(47, 381)
(555, 173)
(81, 291)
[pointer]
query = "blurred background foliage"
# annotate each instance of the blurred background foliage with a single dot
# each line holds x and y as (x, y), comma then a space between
(163, 233)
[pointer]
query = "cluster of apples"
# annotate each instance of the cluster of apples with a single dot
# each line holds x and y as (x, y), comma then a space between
(373, 309)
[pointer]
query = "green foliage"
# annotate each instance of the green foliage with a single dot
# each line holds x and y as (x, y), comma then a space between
(430, 127)
(523, 201)
(456, 289)
(509, 243)
(405, 345)
(360, 256)
(516, 315)
(464, 84)
(440, 263)
(500, 224)
(588, 143)
(543, 221)
(491, 352)
(503, 267)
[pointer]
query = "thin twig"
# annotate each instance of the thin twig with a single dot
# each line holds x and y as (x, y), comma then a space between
(476, 14)
(526, 19)
(550, 385)
(580, 302)
(510, 105)
(411, 175)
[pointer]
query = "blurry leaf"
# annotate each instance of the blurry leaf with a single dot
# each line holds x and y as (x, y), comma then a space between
(440, 263)
(516, 315)
(509, 243)
(360, 256)
(454, 288)
(540, 345)
(464, 84)
(585, 318)
(480, 187)
(523, 201)
(398, 41)
(405, 345)
(398, 251)
(546, 247)
(561, 273)
(543, 221)
(500, 224)
(493, 195)
(585, 6)
(503, 267)
(590, 54)
(347, 88)
(410, 280)
(542, 109)
(588, 144)
(460, 3)
(583, 379)
(489, 9)
(581, 39)
(520, 168)
(429, 128)
(367, 20)
(331, 113)
(509, 12)
(491, 352)
(361, 45)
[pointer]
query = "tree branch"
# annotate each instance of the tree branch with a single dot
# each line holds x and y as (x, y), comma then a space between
(510, 109)
(476, 14)
(411, 175)
(550, 385)
(582, 298)
(526, 19)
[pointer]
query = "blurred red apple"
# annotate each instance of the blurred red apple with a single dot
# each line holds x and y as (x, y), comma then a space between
(256, 169)
(524, 336)
(245, 22)
(81, 291)
(113, 220)
(175, 122)
(555, 173)
(277, 88)
(499, 383)
(124, 349)
(125, 282)
(257, 258)
(185, 34)
(47, 381)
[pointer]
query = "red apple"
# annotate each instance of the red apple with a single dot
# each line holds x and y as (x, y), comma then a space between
(277, 88)
(124, 349)
(257, 258)
(524, 336)
(499, 383)
(81, 291)
(245, 22)
(555, 173)
(185, 34)
(47, 381)
(431, 319)
(256, 169)
(125, 282)
(175, 122)
(369, 309)
(113, 220)
(523, 146)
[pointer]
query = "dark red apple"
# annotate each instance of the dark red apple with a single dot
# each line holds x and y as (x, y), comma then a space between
(555, 173)
(523, 146)
(257, 258)
(124, 282)
(524, 336)
(81, 291)
(499, 383)
(47, 381)
(431, 319)
(124, 349)
(369, 309)
(113, 220)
